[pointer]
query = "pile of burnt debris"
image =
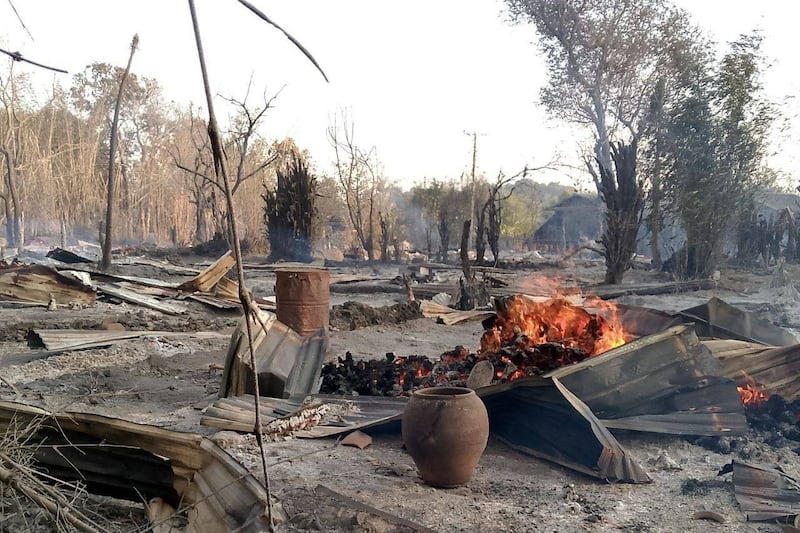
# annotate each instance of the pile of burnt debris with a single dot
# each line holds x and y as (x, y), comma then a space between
(354, 315)
(774, 421)
(399, 376)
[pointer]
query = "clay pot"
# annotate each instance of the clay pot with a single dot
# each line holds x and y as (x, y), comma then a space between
(445, 430)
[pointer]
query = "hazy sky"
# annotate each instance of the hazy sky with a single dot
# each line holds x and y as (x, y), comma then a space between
(414, 75)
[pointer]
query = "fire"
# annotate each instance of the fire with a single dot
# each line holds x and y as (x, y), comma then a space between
(752, 394)
(415, 368)
(526, 323)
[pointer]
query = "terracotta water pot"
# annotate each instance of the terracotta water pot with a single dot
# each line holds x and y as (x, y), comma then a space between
(445, 430)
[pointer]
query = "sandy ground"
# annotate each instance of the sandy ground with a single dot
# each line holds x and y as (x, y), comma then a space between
(167, 379)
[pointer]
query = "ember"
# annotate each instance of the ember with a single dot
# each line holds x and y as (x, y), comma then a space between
(752, 395)
(526, 338)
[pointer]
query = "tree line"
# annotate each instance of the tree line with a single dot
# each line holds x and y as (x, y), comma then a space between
(56, 151)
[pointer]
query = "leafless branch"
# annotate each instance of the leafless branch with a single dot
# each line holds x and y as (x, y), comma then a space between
(294, 41)
(14, 9)
(17, 56)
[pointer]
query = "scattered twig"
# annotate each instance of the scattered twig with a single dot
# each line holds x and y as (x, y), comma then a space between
(45, 497)
(306, 417)
(244, 296)
(16, 56)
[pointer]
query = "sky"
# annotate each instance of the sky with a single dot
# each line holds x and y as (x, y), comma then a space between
(415, 77)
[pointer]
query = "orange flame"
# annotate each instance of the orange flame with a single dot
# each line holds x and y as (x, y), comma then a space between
(556, 320)
(752, 394)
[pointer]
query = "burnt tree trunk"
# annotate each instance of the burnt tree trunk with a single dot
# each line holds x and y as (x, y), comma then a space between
(624, 199)
(290, 212)
(494, 216)
(444, 233)
(465, 266)
(386, 237)
(480, 236)
(11, 200)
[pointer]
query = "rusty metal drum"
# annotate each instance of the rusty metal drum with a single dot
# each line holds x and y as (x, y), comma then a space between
(302, 297)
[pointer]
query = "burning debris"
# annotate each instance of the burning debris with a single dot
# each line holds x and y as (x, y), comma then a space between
(525, 323)
(525, 338)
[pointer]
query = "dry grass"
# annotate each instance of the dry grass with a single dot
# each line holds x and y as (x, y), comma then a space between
(32, 501)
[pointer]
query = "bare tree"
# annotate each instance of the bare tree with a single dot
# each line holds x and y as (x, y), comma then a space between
(10, 150)
(359, 176)
(110, 184)
(253, 157)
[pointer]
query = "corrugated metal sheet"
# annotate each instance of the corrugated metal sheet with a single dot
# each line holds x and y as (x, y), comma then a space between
(719, 319)
(663, 383)
(130, 296)
(215, 491)
(776, 368)
(765, 492)
(61, 340)
(206, 280)
(35, 283)
(238, 413)
(541, 417)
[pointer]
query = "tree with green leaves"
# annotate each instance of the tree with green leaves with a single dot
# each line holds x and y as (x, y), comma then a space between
(604, 58)
(718, 137)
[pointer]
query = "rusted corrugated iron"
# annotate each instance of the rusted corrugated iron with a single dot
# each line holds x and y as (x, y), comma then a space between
(775, 368)
(206, 280)
(212, 488)
(36, 283)
(765, 492)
